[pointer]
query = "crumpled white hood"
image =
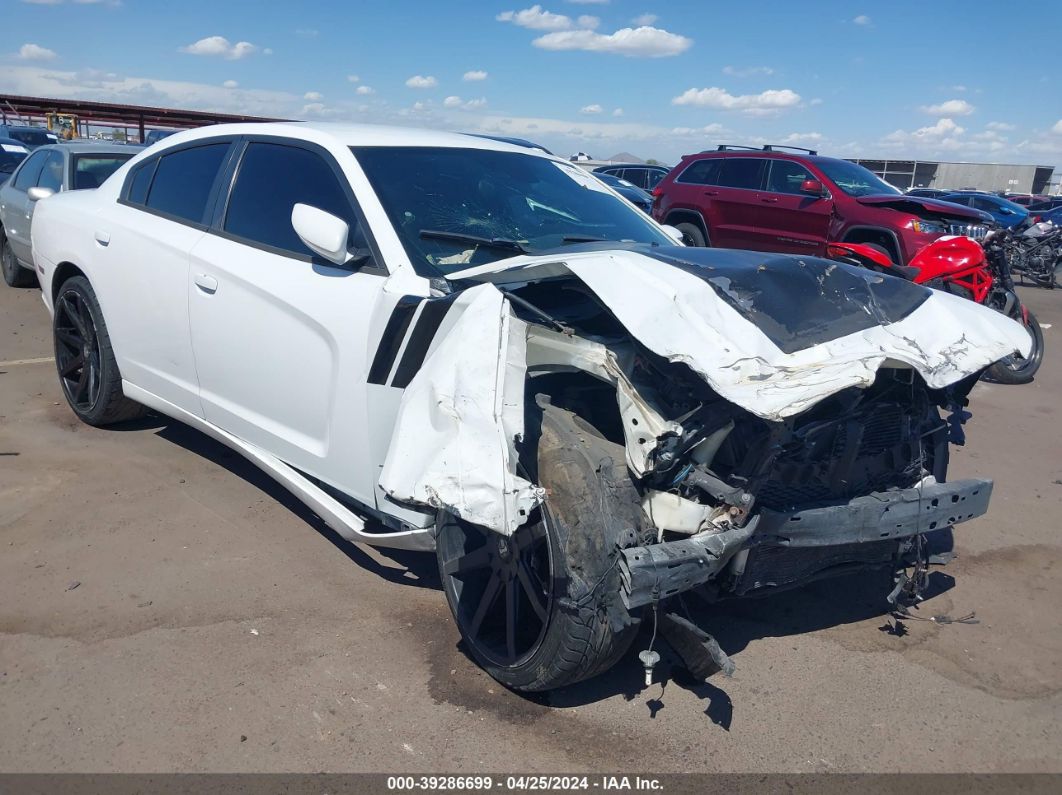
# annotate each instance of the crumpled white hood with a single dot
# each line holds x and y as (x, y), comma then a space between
(681, 317)
(453, 445)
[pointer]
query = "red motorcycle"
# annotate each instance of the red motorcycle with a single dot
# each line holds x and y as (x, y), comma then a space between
(961, 266)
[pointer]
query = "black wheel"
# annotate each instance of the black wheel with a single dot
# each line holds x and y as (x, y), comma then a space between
(541, 609)
(84, 359)
(692, 234)
(1016, 369)
(14, 274)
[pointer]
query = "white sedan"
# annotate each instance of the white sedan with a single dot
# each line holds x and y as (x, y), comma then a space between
(440, 341)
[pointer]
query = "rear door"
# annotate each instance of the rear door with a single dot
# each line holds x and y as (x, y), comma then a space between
(735, 203)
(792, 221)
(17, 208)
(143, 242)
(693, 188)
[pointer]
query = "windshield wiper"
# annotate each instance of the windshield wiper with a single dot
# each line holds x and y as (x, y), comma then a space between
(460, 237)
(583, 239)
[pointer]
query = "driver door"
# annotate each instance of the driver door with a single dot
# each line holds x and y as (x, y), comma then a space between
(282, 337)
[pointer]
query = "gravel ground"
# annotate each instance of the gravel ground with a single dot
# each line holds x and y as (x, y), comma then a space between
(165, 607)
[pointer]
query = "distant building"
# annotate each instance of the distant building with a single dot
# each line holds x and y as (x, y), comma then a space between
(906, 174)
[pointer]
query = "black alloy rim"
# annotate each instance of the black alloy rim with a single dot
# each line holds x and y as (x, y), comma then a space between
(77, 351)
(501, 587)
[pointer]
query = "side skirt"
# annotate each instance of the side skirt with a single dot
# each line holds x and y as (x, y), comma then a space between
(336, 515)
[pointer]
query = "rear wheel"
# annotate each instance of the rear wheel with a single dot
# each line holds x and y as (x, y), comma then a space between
(692, 234)
(88, 372)
(1017, 369)
(14, 274)
(541, 609)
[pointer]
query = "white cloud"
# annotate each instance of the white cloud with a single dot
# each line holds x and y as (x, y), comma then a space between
(862, 19)
(591, 109)
(418, 81)
(803, 138)
(646, 42)
(960, 89)
(1057, 128)
(588, 2)
(999, 125)
(816, 101)
(306, 33)
(353, 79)
(313, 96)
(35, 52)
(219, 45)
(617, 112)
(748, 71)
(460, 104)
(364, 91)
(943, 129)
(588, 22)
(951, 107)
(536, 18)
(709, 129)
(230, 84)
(770, 101)
(474, 75)
(642, 20)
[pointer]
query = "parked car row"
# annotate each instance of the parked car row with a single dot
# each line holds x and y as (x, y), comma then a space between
(53, 168)
(794, 200)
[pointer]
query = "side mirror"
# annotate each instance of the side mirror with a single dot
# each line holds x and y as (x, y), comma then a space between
(36, 194)
(673, 233)
(323, 233)
(813, 187)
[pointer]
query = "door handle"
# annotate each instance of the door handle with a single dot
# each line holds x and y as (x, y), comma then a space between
(768, 199)
(206, 283)
(711, 193)
(103, 238)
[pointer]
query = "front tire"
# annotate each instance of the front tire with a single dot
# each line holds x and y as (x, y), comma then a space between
(88, 372)
(541, 609)
(14, 274)
(1016, 369)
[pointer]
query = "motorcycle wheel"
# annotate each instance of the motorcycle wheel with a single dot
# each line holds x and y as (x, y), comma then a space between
(1016, 369)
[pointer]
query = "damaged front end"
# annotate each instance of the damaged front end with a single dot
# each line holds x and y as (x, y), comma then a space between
(783, 418)
(745, 505)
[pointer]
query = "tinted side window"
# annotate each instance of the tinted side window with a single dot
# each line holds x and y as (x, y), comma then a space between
(703, 172)
(743, 172)
(273, 178)
(635, 176)
(140, 181)
(787, 176)
(653, 178)
(31, 171)
(183, 181)
(52, 173)
(963, 200)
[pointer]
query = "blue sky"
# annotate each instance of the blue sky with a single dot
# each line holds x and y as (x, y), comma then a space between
(950, 80)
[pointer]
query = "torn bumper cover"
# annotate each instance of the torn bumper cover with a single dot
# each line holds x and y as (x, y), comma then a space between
(802, 544)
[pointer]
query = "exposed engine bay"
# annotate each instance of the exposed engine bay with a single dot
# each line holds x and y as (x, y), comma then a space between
(822, 447)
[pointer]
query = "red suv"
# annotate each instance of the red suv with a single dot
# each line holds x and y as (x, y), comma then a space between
(767, 200)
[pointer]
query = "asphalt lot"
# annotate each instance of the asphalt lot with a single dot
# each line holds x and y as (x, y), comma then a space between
(218, 626)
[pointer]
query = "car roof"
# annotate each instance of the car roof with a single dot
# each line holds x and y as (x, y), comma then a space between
(95, 148)
(12, 141)
(351, 135)
(630, 165)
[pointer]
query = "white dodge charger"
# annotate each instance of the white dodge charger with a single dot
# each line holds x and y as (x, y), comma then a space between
(439, 341)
